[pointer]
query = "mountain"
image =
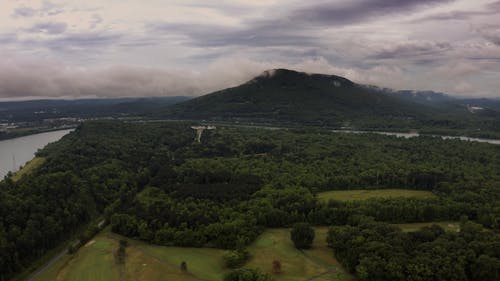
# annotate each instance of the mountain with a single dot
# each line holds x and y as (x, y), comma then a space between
(290, 96)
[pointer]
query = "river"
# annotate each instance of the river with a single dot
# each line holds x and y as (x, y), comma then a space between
(412, 135)
(16, 152)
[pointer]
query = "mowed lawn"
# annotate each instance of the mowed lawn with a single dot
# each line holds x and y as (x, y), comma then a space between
(28, 168)
(144, 261)
(363, 194)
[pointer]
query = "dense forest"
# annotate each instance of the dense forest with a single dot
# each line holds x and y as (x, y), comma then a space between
(377, 251)
(154, 182)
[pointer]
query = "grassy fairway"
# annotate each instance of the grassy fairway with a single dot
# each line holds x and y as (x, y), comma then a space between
(317, 263)
(452, 226)
(204, 263)
(95, 261)
(28, 168)
(363, 194)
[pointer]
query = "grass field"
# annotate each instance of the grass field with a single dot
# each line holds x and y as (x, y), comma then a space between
(317, 263)
(452, 226)
(363, 194)
(28, 168)
(95, 261)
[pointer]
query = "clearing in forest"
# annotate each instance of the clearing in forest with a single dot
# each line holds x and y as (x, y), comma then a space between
(363, 194)
(452, 226)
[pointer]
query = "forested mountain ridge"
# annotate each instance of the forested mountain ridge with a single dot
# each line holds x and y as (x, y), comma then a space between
(290, 97)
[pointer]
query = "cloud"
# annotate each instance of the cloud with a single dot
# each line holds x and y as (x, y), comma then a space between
(296, 25)
(217, 35)
(490, 33)
(348, 12)
(45, 8)
(411, 50)
(24, 12)
(490, 9)
(48, 28)
(84, 40)
(8, 38)
(194, 47)
(21, 78)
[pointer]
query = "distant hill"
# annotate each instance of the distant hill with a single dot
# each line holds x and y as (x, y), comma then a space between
(36, 110)
(449, 103)
(290, 96)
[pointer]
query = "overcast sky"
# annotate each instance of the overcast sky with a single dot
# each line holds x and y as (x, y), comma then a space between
(108, 48)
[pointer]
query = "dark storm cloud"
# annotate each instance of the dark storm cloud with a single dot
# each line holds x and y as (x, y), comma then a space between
(48, 28)
(346, 12)
(412, 50)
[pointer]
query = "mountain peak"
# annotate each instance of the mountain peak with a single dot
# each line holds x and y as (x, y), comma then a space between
(285, 95)
(283, 75)
(278, 72)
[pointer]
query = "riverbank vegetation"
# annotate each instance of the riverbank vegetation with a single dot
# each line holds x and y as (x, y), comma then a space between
(154, 183)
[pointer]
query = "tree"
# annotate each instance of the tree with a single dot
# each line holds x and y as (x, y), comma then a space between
(302, 235)
(184, 266)
(276, 266)
(486, 268)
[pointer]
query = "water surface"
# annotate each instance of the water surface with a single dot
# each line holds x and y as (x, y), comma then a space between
(412, 135)
(16, 152)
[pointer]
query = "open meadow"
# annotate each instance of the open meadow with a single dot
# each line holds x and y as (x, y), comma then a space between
(363, 194)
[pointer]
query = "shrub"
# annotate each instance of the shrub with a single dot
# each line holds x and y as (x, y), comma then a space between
(302, 235)
(247, 274)
(236, 258)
